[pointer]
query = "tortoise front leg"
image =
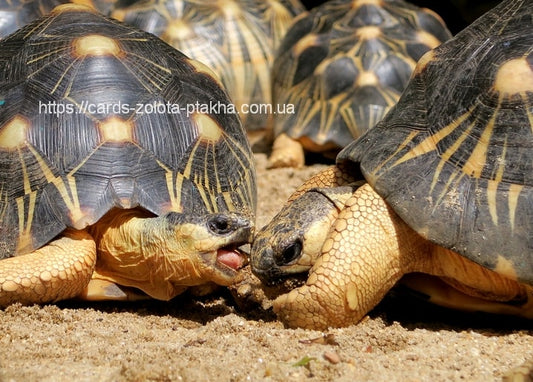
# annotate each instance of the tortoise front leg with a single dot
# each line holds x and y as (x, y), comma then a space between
(367, 251)
(60, 270)
(286, 152)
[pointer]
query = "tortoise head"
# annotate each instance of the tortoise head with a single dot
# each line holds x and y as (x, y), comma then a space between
(292, 242)
(203, 248)
(163, 255)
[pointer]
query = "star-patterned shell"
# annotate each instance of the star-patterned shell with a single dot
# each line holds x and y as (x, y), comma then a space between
(345, 64)
(97, 115)
(15, 14)
(454, 157)
(235, 38)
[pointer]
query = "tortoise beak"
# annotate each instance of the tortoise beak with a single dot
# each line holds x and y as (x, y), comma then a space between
(234, 231)
(269, 265)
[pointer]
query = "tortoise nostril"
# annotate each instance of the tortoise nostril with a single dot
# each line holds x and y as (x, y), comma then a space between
(289, 253)
(219, 224)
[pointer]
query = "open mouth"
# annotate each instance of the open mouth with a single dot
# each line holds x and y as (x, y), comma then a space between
(232, 257)
(226, 263)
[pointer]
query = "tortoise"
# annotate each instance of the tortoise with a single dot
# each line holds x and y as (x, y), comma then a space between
(341, 68)
(235, 38)
(111, 187)
(441, 191)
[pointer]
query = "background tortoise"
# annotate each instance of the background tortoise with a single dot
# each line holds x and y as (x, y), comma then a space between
(158, 197)
(343, 66)
(449, 192)
(235, 38)
(14, 14)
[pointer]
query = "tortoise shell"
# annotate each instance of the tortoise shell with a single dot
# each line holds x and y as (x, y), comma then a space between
(14, 14)
(124, 121)
(345, 64)
(454, 157)
(235, 38)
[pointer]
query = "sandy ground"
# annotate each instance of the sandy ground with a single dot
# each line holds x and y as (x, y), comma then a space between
(209, 339)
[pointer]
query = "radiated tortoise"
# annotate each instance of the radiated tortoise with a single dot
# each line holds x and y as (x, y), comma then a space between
(235, 38)
(342, 67)
(441, 190)
(106, 174)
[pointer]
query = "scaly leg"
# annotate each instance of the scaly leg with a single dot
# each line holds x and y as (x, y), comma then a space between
(58, 271)
(367, 251)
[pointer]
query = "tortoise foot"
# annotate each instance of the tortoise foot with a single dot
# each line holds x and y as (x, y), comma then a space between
(286, 152)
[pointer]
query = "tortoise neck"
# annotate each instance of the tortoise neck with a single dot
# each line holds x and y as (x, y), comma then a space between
(132, 247)
(120, 231)
(123, 255)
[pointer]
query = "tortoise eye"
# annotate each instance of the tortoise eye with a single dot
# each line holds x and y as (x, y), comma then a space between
(219, 224)
(289, 253)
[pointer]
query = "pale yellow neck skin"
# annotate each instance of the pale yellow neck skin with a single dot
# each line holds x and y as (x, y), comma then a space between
(465, 284)
(471, 278)
(128, 256)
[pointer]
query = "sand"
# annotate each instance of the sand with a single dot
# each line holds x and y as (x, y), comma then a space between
(210, 339)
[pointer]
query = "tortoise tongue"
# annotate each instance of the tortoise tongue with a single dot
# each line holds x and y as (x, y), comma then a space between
(232, 258)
